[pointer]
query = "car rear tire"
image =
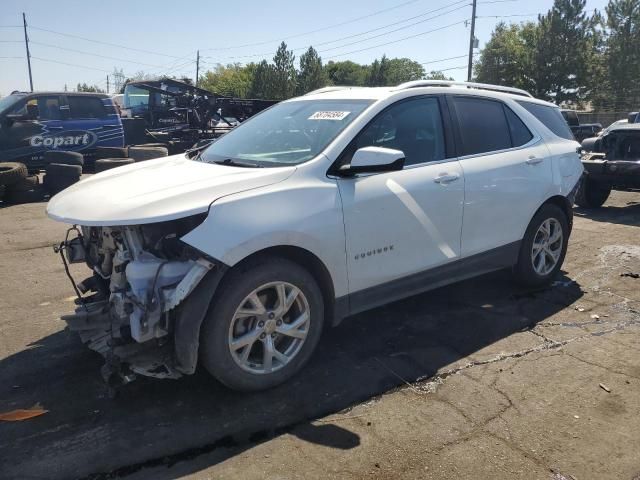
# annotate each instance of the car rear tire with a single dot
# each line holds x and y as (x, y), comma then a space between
(109, 163)
(592, 194)
(252, 339)
(543, 247)
(12, 172)
(64, 158)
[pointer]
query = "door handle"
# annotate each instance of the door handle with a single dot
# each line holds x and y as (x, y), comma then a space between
(54, 128)
(533, 160)
(445, 178)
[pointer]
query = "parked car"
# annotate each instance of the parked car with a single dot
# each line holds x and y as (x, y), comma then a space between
(33, 123)
(611, 162)
(237, 255)
(580, 130)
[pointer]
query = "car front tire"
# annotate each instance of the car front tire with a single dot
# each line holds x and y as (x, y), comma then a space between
(265, 322)
(543, 247)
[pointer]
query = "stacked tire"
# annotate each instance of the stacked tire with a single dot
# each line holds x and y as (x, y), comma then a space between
(63, 169)
(109, 163)
(16, 186)
(141, 153)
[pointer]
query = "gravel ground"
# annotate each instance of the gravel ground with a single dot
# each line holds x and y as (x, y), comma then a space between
(476, 380)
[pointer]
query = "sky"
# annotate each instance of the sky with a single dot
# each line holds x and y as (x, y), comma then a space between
(75, 41)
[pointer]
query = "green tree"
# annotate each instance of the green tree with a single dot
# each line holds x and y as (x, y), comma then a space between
(508, 56)
(346, 73)
(263, 81)
(232, 80)
(437, 75)
(566, 52)
(378, 72)
(311, 74)
(83, 87)
(284, 73)
(400, 70)
(622, 61)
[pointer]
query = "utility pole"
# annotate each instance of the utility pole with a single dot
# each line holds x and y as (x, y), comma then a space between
(26, 42)
(197, 66)
(107, 83)
(472, 40)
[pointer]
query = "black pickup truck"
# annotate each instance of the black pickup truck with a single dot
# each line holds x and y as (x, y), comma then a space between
(611, 162)
(580, 130)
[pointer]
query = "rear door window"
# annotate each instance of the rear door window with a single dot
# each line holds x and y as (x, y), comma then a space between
(483, 125)
(86, 107)
(550, 117)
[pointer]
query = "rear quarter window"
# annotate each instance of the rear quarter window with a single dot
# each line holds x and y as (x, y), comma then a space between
(550, 117)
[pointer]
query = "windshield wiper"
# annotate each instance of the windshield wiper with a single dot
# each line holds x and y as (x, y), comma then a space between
(238, 163)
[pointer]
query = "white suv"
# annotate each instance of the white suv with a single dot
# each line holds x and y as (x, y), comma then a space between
(239, 254)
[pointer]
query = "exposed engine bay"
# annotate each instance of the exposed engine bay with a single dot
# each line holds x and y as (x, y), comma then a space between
(622, 145)
(126, 310)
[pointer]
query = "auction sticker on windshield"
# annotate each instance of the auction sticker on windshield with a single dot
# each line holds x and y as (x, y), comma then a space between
(336, 115)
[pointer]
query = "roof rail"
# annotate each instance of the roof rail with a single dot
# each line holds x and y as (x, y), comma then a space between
(451, 83)
(328, 89)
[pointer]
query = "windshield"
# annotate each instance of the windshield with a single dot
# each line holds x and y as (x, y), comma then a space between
(288, 133)
(135, 97)
(8, 101)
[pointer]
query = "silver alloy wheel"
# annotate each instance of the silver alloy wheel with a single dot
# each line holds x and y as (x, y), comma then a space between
(269, 327)
(547, 246)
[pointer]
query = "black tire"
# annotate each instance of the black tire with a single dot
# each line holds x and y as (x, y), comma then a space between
(54, 185)
(63, 158)
(109, 163)
(3, 190)
(140, 154)
(147, 145)
(111, 152)
(27, 183)
(524, 270)
(35, 194)
(12, 172)
(592, 194)
(58, 170)
(215, 353)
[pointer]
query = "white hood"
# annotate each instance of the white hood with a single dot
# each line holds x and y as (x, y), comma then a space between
(155, 191)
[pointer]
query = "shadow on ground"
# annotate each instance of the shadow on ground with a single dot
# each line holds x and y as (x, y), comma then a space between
(162, 422)
(627, 215)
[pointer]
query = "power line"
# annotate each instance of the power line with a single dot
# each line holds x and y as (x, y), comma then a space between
(466, 2)
(451, 68)
(397, 29)
(459, 7)
(101, 42)
(316, 30)
(70, 64)
(509, 16)
(443, 59)
(94, 54)
(399, 40)
(14, 58)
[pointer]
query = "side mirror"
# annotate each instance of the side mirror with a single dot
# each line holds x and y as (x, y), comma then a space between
(632, 117)
(374, 160)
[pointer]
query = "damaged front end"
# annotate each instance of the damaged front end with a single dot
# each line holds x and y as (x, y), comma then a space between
(132, 308)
